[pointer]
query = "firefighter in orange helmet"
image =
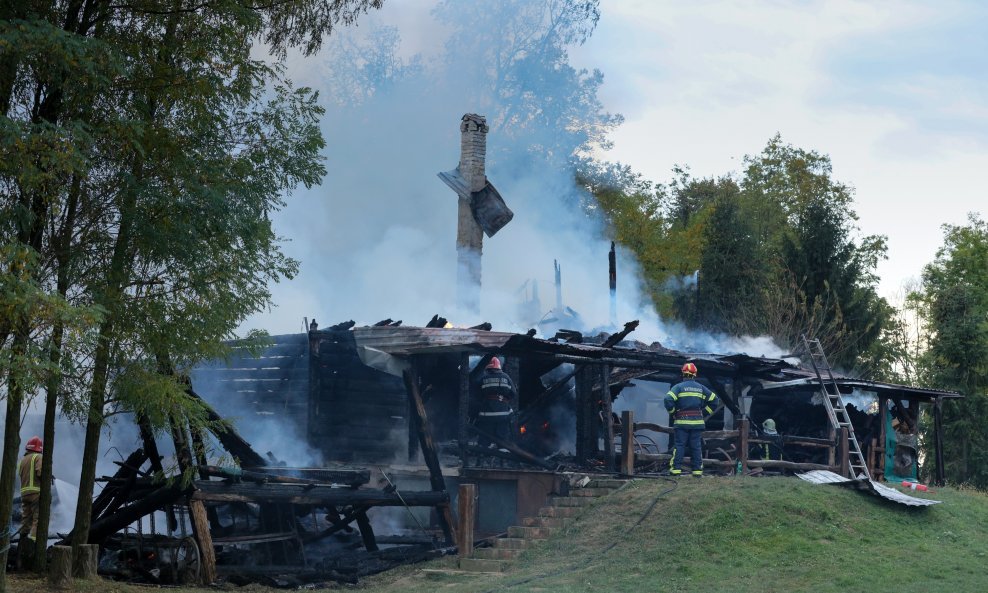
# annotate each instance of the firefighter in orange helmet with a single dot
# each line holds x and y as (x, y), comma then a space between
(29, 471)
(688, 403)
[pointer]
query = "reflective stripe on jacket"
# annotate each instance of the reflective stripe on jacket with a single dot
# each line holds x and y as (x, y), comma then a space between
(688, 402)
(29, 470)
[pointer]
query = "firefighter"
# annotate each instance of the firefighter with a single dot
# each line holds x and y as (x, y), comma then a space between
(688, 403)
(29, 470)
(497, 395)
(772, 449)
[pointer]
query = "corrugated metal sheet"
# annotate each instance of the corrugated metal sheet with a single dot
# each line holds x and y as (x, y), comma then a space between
(871, 486)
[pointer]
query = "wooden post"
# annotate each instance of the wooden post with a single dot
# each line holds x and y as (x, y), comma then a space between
(430, 455)
(586, 436)
(845, 454)
(464, 407)
(744, 427)
(366, 531)
(883, 410)
(628, 443)
(86, 561)
(60, 568)
(200, 527)
(465, 510)
(832, 454)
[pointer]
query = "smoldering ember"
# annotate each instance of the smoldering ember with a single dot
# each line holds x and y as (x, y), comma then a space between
(395, 468)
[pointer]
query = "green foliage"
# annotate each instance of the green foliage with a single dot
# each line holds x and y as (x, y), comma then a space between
(954, 299)
(777, 251)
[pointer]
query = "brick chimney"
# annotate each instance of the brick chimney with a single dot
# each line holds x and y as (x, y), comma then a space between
(469, 236)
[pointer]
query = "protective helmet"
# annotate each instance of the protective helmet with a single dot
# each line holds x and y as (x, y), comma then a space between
(495, 363)
(34, 444)
(689, 369)
(769, 426)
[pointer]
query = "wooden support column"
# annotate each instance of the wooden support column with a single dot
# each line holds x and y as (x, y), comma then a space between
(940, 479)
(429, 454)
(366, 531)
(466, 511)
(464, 407)
(628, 443)
(200, 528)
(883, 410)
(606, 416)
(743, 430)
(832, 455)
(845, 454)
(586, 433)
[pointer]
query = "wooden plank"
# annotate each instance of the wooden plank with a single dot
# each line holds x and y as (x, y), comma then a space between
(466, 509)
(586, 433)
(628, 443)
(200, 528)
(321, 495)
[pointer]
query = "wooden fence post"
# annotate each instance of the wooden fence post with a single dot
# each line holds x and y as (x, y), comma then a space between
(743, 443)
(628, 443)
(845, 450)
(465, 506)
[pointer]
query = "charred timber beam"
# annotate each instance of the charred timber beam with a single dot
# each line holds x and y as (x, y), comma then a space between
(366, 531)
(437, 321)
(707, 434)
(553, 389)
(606, 418)
(121, 483)
(317, 495)
(315, 475)
(256, 477)
(489, 452)
(429, 453)
(340, 523)
(107, 525)
(228, 436)
(517, 451)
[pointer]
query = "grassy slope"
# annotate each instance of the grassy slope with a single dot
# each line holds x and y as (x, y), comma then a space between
(737, 535)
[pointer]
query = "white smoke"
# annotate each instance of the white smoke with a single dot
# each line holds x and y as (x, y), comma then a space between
(377, 239)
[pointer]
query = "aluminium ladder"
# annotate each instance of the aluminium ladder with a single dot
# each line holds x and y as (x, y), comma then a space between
(834, 404)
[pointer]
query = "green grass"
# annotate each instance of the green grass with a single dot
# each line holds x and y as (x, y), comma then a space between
(736, 535)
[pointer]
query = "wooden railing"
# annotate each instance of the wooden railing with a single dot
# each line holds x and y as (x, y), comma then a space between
(742, 440)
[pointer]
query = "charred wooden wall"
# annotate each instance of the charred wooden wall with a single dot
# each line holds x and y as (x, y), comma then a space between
(356, 413)
(273, 383)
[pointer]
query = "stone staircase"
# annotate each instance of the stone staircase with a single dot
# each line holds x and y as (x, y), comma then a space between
(559, 512)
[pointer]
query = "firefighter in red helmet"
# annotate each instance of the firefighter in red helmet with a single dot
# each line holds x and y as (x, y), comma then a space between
(688, 403)
(497, 395)
(29, 471)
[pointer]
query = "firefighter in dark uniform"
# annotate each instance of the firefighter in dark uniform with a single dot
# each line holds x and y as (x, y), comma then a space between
(688, 403)
(773, 448)
(497, 400)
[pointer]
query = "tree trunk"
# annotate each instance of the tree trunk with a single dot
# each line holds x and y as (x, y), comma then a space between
(11, 449)
(60, 572)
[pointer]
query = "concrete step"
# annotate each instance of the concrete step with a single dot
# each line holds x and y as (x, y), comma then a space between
(591, 491)
(512, 543)
(530, 532)
(568, 512)
(481, 565)
(546, 521)
(570, 501)
(496, 553)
